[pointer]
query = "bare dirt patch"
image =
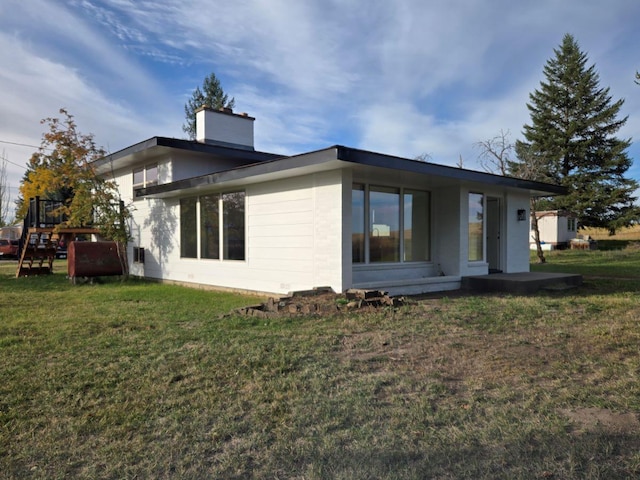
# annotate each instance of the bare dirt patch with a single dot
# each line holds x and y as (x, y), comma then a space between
(602, 420)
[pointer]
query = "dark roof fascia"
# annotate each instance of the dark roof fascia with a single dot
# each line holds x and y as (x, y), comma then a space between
(381, 160)
(351, 155)
(244, 171)
(189, 146)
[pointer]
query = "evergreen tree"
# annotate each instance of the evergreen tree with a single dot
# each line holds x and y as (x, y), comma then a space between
(572, 134)
(211, 95)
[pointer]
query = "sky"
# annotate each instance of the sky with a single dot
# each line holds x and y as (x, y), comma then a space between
(402, 77)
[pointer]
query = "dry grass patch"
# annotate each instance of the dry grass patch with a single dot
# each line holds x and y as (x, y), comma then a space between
(141, 380)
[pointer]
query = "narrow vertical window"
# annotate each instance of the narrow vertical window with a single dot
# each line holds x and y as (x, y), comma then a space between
(151, 175)
(357, 224)
(416, 226)
(233, 226)
(384, 230)
(188, 228)
(138, 177)
(209, 226)
(476, 232)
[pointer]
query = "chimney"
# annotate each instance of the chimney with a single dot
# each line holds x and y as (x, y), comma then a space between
(225, 128)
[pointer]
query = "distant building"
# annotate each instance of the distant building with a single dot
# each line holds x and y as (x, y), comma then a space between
(11, 232)
(557, 229)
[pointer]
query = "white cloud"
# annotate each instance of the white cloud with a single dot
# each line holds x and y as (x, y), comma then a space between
(43, 77)
(405, 78)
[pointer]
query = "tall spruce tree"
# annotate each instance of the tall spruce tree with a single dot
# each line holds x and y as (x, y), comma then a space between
(211, 95)
(572, 134)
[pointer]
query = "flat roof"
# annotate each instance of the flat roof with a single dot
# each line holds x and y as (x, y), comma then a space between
(156, 146)
(338, 156)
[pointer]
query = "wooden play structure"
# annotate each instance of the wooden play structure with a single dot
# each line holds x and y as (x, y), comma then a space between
(43, 235)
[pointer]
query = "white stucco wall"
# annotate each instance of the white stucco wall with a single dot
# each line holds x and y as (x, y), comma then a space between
(447, 230)
(187, 166)
(516, 246)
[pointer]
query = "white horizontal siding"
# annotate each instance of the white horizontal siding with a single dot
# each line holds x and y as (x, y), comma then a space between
(293, 238)
(277, 219)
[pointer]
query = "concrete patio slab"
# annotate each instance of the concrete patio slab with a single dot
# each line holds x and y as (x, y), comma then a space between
(521, 283)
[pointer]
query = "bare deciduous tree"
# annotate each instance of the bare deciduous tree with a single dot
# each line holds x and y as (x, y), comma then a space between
(424, 157)
(495, 153)
(530, 167)
(496, 156)
(4, 191)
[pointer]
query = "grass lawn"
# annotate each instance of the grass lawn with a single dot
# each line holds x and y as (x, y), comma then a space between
(141, 380)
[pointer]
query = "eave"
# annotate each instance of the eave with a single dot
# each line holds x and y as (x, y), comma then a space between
(341, 157)
(158, 147)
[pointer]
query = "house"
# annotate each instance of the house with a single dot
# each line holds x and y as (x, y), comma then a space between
(557, 229)
(217, 212)
(11, 232)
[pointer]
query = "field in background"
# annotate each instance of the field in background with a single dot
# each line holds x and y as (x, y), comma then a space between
(631, 233)
(621, 239)
(141, 380)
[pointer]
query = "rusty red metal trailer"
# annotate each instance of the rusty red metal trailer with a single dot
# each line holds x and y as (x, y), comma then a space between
(93, 259)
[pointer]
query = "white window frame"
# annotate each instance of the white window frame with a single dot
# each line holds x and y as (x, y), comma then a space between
(222, 235)
(144, 169)
(367, 224)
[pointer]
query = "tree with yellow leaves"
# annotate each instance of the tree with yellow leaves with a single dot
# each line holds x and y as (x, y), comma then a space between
(62, 170)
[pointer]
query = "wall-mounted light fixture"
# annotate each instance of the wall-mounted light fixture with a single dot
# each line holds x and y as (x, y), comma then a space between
(522, 214)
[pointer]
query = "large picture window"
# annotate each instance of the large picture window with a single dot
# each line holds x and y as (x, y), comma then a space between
(188, 228)
(384, 230)
(233, 225)
(416, 226)
(209, 226)
(218, 236)
(357, 224)
(390, 225)
(476, 229)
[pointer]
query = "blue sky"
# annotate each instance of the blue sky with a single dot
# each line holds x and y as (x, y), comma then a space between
(407, 77)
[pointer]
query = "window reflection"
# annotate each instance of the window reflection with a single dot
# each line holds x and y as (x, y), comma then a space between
(357, 224)
(476, 232)
(188, 228)
(384, 230)
(416, 226)
(209, 227)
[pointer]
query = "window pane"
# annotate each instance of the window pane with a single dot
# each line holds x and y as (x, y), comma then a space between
(138, 176)
(416, 226)
(188, 228)
(233, 225)
(152, 175)
(209, 227)
(384, 230)
(357, 224)
(476, 234)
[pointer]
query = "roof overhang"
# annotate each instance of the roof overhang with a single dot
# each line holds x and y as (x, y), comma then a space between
(460, 175)
(339, 157)
(160, 147)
